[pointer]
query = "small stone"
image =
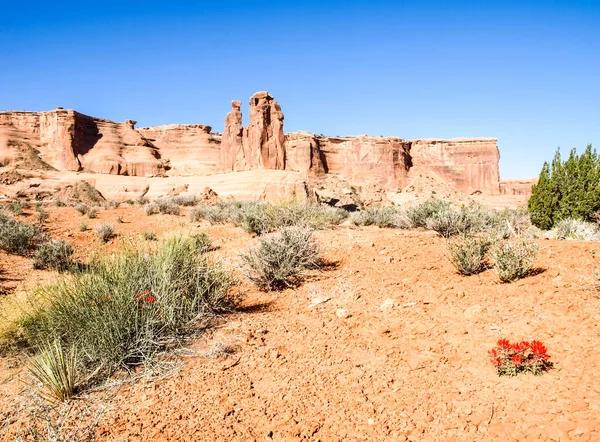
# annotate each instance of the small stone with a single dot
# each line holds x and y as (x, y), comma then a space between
(316, 301)
(342, 313)
(388, 304)
(371, 421)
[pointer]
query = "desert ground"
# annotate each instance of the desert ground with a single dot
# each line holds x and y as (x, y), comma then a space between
(385, 342)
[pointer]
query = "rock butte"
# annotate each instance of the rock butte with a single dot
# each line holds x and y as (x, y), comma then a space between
(68, 141)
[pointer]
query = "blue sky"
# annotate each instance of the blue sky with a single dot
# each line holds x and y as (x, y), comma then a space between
(526, 72)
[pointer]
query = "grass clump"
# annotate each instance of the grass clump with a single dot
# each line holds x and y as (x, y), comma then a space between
(149, 236)
(16, 237)
(575, 229)
(513, 258)
(83, 226)
(82, 208)
(185, 200)
(56, 370)
(163, 205)
(123, 308)
(91, 213)
(468, 253)
(279, 258)
(53, 254)
(420, 213)
(381, 217)
(104, 231)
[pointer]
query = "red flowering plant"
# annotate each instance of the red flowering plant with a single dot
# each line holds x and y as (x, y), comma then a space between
(145, 298)
(511, 359)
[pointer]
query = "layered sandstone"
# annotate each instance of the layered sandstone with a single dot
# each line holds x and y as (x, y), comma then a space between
(259, 146)
(66, 140)
(517, 187)
(185, 149)
(468, 164)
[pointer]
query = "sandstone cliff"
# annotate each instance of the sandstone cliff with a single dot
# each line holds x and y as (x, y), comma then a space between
(66, 140)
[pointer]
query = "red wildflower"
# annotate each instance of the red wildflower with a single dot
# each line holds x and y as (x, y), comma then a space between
(503, 344)
(539, 350)
(150, 299)
(520, 346)
(517, 360)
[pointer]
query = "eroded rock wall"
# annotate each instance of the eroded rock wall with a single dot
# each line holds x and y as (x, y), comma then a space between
(185, 149)
(468, 164)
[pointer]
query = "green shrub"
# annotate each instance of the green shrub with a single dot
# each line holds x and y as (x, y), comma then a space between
(467, 253)
(185, 200)
(511, 222)
(54, 254)
(382, 217)
(104, 231)
(16, 237)
(569, 189)
(142, 201)
(59, 203)
(149, 236)
(42, 217)
(420, 213)
(114, 204)
(92, 214)
(163, 205)
(82, 208)
(466, 220)
(83, 226)
(16, 207)
(56, 369)
(513, 258)
(279, 258)
(124, 308)
(570, 228)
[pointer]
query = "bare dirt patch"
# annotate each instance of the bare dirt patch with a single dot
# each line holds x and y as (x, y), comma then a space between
(389, 344)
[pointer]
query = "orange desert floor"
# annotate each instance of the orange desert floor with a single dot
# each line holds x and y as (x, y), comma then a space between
(387, 343)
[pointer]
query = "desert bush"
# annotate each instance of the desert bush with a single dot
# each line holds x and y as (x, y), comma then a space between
(42, 216)
(420, 213)
(519, 357)
(513, 258)
(149, 236)
(56, 370)
(129, 202)
(82, 208)
(114, 204)
(16, 237)
(83, 226)
(120, 219)
(91, 213)
(38, 206)
(163, 205)
(511, 222)
(104, 231)
(16, 207)
(124, 308)
(262, 218)
(142, 201)
(59, 203)
(53, 254)
(382, 217)
(185, 200)
(570, 228)
(468, 253)
(279, 258)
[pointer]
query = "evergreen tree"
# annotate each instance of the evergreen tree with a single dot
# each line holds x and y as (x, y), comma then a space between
(569, 189)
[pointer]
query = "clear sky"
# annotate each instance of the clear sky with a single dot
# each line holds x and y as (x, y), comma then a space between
(526, 72)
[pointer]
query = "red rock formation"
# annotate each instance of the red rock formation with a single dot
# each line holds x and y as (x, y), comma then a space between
(468, 164)
(303, 154)
(517, 187)
(264, 134)
(68, 140)
(233, 156)
(185, 149)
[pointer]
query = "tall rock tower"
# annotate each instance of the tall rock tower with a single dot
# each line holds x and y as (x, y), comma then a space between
(262, 144)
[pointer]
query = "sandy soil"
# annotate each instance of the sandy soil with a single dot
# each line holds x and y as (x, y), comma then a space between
(398, 351)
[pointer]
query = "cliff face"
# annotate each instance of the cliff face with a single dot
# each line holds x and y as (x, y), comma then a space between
(469, 164)
(185, 149)
(70, 141)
